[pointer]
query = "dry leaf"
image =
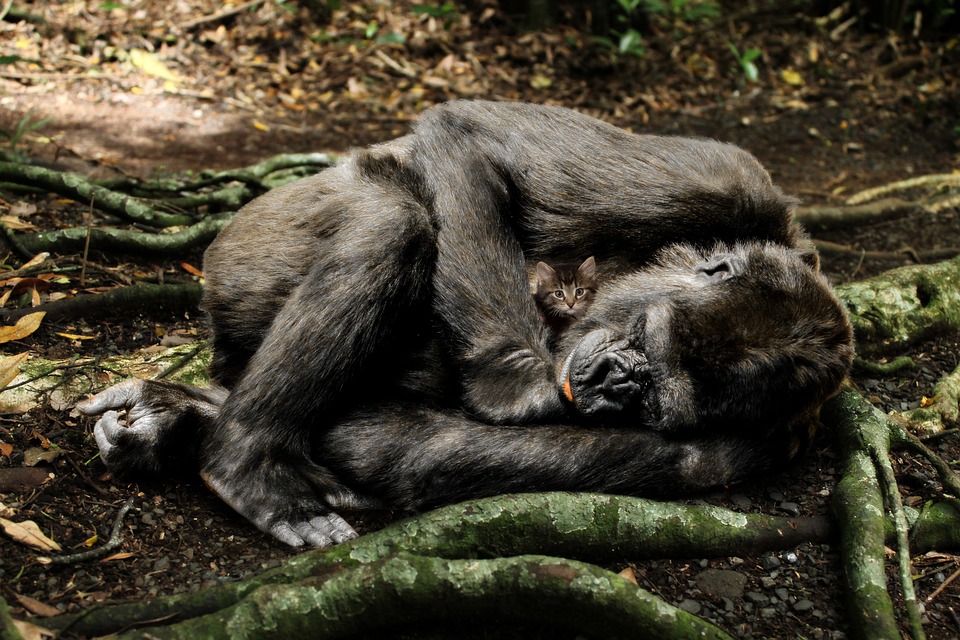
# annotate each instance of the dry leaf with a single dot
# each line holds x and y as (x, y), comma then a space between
(24, 327)
(260, 126)
(28, 533)
(35, 455)
(74, 336)
(791, 77)
(926, 402)
(36, 607)
(40, 257)
(628, 574)
(5, 449)
(17, 224)
(151, 65)
(92, 540)
(192, 270)
(118, 556)
(30, 631)
(10, 368)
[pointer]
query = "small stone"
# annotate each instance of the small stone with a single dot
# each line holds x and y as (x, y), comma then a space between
(768, 612)
(147, 518)
(802, 605)
(767, 582)
(770, 562)
(720, 583)
(775, 495)
(790, 507)
(782, 593)
(162, 564)
(741, 501)
(791, 557)
(690, 606)
(757, 598)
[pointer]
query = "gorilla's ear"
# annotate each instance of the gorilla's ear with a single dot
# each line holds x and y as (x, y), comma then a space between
(544, 272)
(588, 269)
(809, 254)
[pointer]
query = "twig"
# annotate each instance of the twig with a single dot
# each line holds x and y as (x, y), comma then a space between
(182, 362)
(933, 437)
(881, 461)
(6, 9)
(943, 179)
(216, 17)
(99, 552)
(943, 585)
(903, 440)
(83, 476)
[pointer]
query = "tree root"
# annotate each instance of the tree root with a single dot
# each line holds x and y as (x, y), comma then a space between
(76, 187)
(945, 405)
(141, 296)
(592, 527)
(903, 305)
(406, 589)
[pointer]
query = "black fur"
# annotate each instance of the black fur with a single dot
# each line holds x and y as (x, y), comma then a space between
(375, 330)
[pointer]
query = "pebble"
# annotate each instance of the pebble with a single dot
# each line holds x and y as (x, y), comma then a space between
(721, 584)
(770, 562)
(690, 606)
(791, 557)
(757, 598)
(790, 507)
(741, 501)
(782, 593)
(802, 605)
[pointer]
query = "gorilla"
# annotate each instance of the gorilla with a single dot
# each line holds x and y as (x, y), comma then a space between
(375, 342)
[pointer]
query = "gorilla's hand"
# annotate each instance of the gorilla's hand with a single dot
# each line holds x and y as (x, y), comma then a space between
(164, 422)
(604, 374)
(286, 496)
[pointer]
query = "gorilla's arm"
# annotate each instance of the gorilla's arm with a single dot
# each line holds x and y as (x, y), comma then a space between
(511, 179)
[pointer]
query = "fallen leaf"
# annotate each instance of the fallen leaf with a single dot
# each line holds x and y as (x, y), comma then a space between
(40, 257)
(260, 126)
(17, 224)
(6, 449)
(22, 478)
(28, 533)
(36, 607)
(35, 455)
(30, 631)
(629, 575)
(92, 540)
(192, 270)
(540, 82)
(23, 328)
(118, 556)
(926, 402)
(10, 368)
(74, 336)
(791, 77)
(152, 65)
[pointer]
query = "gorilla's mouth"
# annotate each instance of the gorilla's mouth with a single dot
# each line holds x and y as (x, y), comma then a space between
(603, 374)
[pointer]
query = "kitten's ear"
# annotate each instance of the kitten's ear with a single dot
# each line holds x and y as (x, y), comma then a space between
(589, 268)
(545, 272)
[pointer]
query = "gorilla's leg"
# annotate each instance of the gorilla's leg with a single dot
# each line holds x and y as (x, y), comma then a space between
(418, 458)
(328, 334)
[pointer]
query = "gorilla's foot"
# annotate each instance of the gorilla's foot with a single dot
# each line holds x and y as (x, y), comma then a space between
(291, 502)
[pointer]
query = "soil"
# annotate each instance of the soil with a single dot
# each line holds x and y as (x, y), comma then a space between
(835, 110)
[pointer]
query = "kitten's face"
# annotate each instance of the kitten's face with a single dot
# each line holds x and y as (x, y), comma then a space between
(565, 292)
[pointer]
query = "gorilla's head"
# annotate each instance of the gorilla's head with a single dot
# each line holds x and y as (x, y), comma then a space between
(747, 336)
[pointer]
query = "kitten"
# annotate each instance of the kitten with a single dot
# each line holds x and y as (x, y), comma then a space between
(565, 292)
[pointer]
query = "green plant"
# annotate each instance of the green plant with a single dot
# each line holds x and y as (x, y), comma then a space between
(682, 10)
(22, 128)
(445, 10)
(745, 60)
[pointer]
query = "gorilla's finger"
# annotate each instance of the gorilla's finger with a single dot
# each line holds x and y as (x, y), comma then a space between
(104, 432)
(342, 531)
(120, 396)
(283, 532)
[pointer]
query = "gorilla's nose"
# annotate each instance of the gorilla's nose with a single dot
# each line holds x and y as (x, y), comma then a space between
(603, 374)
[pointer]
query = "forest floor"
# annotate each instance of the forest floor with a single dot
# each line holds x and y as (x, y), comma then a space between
(834, 110)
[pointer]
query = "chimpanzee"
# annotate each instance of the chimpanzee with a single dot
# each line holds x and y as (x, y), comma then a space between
(375, 341)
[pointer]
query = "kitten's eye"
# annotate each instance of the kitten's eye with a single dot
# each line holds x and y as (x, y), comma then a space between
(579, 292)
(558, 294)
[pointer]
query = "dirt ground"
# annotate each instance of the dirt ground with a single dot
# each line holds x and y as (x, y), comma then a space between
(835, 110)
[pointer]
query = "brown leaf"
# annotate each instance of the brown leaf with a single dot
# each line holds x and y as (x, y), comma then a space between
(628, 574)
(36, 607)
(118, 556)
(22, 478)
(6, 449)
(29, 631)
(23, 328)
(192, 270)
(35, 455)
(10, 368)
(28, 533)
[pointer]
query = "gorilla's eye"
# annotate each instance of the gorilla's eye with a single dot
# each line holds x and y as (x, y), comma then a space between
(579, 292)
(558, 293)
